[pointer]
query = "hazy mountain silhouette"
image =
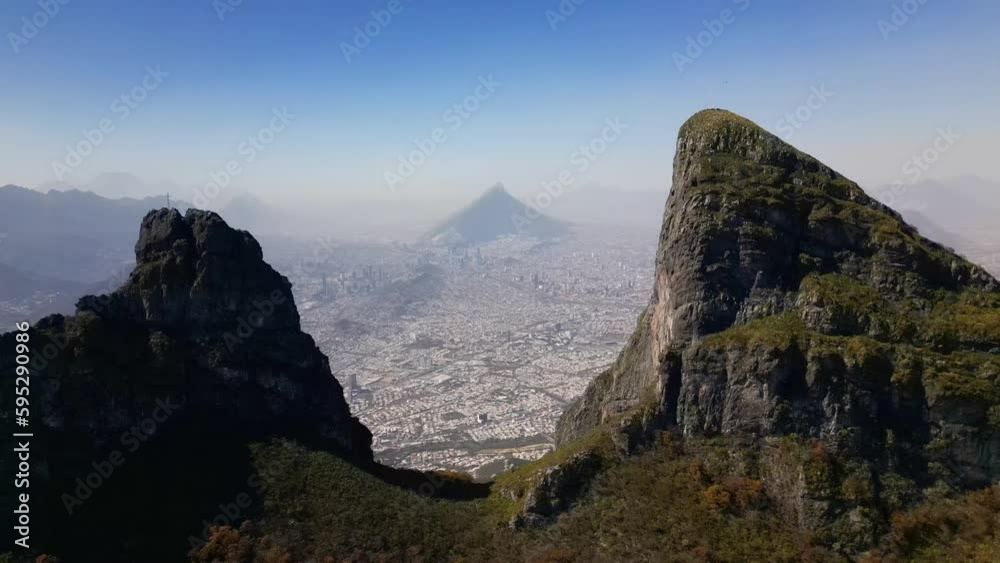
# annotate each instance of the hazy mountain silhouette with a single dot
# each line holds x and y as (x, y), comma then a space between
(70, 235)
(930, 229)
(247, 211)
(16, 284)
(73, 211)
(964, 202)
(493, 215)
(116, 185)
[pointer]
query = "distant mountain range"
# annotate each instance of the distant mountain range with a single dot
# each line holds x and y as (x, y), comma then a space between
(493, 215)
(116, 185)
(953, 204)
(71, 235)
(15, 284)
(959, 212)
(73, 211)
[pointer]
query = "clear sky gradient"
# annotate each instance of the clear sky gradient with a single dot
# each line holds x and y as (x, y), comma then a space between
(892, 89)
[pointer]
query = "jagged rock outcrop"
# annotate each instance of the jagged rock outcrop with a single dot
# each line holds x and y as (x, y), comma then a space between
(556, 489)
(787, 301)
(201, 352)
(204, 320)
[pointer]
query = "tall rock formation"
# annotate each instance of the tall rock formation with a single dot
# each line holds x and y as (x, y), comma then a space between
(204, 319)
(200, 352)
(787, 301)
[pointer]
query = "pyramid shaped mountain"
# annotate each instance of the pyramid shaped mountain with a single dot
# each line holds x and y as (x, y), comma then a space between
(787, 301)
(496, 214)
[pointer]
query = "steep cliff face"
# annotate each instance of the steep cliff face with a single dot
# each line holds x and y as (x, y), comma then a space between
(200, 352)
(788, 301)
(205, 321)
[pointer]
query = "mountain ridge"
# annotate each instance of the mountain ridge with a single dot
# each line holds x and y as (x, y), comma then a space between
(73, 235)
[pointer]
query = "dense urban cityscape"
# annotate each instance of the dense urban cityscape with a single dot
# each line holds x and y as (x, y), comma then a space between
(463, 357)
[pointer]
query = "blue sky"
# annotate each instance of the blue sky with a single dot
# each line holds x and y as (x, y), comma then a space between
(556, 88)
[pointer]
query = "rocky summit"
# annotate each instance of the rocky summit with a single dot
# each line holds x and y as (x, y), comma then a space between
(204, 319)
(759, 237)
(200, 347)
(787, 302)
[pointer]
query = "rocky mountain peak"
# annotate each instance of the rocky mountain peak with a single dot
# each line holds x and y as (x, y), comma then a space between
(204, 338)
(202, 319)
(497, 189)
(721, 130)
(194, 272)
(761, 246)
(493, 215)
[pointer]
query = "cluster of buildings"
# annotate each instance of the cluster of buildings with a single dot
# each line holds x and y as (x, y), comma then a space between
(464, 357)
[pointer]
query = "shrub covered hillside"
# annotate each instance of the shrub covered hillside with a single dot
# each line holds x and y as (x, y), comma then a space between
(679, 500)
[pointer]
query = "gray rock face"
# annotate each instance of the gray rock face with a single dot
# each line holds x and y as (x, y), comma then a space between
(557, 488)
(751, 222)
(205, 322)
(195, 272)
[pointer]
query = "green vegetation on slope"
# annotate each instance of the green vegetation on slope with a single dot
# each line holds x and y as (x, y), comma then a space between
(947, 343)
(965, 529)
(695, 500)
(699, 502)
